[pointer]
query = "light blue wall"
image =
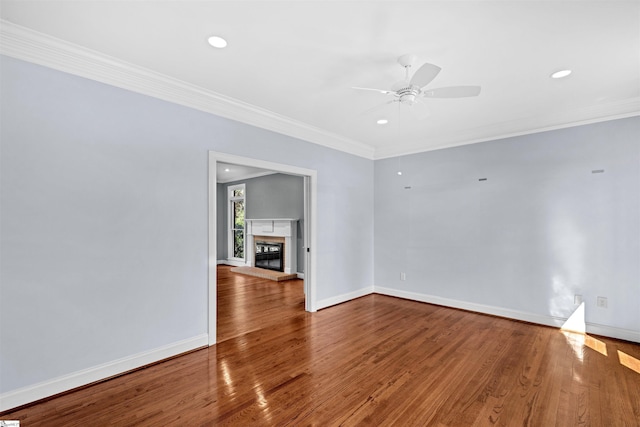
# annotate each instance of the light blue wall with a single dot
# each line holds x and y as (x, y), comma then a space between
(271, 196)
(104, 220)
(539, 230)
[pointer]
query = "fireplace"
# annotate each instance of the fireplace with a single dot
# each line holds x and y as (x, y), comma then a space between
(282, 231)
(269, 255)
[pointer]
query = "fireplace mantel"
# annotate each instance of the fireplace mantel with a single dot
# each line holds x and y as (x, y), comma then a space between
(274, 227)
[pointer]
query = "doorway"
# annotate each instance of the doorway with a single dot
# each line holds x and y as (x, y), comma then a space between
(309, 223)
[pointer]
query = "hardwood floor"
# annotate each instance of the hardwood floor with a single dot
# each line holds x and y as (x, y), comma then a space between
(248, 303)
(373, 361)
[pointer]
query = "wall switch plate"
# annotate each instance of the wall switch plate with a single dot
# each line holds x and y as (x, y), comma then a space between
(403, 276)
(602, 302)
(577, 299)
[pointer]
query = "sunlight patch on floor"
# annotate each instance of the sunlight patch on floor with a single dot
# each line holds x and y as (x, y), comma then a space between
(595, 344)
(629, 361)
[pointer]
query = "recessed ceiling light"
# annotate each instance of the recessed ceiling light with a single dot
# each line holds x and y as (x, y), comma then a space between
(382, 121)
(217, 41)
(560, 74)
(226, 170)
(399, 173)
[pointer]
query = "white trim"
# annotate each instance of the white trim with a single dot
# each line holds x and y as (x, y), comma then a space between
(28, 45)
(262, 164)
(300, 275)
(31, 393)
(212, 296)
(245, 177)
(613, 332)
(234, 262)
(480, 308)
(339, 299)
(310, 232)
(608, 331)
(310, 278)
(612, 111)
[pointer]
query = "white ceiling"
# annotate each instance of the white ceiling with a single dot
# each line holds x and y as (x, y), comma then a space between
(227, 172)
(290, 65)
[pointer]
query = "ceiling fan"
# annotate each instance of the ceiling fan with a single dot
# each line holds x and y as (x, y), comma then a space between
(410, 92)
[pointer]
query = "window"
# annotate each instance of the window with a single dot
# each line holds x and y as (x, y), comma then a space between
(236, 195)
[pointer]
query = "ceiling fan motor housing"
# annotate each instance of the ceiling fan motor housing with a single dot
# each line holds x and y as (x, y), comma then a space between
(408, 95)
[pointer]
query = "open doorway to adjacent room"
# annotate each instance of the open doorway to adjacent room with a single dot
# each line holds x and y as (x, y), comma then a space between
(234, 240)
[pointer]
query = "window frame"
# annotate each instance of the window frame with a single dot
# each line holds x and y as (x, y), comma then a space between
(231, 199)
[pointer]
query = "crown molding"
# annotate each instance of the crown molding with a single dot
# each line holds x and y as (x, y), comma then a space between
(524, 126)
(25, 44)
(32, 46)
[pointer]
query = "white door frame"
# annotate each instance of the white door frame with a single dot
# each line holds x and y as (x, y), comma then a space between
(310, 195)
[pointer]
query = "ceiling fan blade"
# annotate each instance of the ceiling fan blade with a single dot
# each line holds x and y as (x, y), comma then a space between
(452, 92)
(425, 75)
(375, 90)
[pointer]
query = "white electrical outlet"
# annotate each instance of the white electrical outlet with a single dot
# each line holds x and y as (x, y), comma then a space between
(577, 299)
(602, 302)
(403, 276)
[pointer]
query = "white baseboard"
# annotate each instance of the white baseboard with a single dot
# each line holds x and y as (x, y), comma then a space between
(608, 331)
(344, 298)
(25, 395)
(613, 332)
(232, 262)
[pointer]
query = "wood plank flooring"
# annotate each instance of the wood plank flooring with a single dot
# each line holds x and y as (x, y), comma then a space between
(247, 303)
(374, 361)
